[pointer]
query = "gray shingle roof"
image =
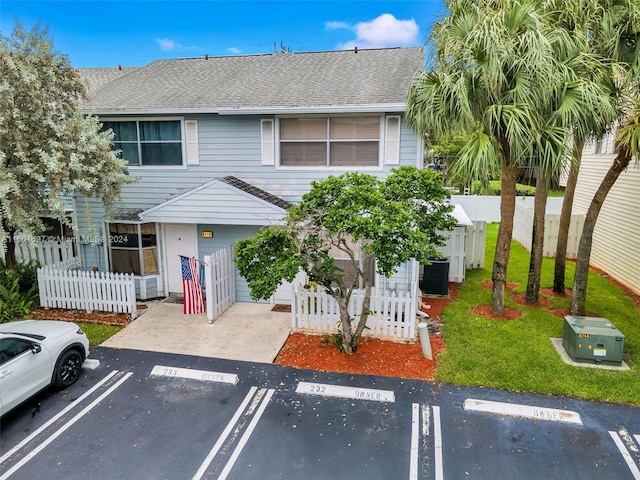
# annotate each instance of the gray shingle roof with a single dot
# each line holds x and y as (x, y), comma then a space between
(296, 80)
(256, 192)
(95, 78)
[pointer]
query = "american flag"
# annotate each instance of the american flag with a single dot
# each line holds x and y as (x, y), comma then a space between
(193, 294)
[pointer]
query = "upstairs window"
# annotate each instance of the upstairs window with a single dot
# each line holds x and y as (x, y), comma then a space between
(330, 142)
(148, 142)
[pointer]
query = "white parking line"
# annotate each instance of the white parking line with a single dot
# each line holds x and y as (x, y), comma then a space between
(55, 418)
(415, 441)
(247, 434)
(223, 437)
(626, 455)
(62, 429)
(437, 443)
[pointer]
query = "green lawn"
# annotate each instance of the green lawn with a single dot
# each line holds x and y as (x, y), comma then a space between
(97, 333)
(518, 355)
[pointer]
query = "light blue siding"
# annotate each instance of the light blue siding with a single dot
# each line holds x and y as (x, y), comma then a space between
(228, 145)
(223, 236)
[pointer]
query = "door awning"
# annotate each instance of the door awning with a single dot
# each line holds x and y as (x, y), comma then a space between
(221, 201)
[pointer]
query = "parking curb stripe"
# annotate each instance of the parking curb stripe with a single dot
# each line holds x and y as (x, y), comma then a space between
(524, 411)
(65, 427)
(415, 434)
(246, 435)
(225, 433)
(626, 455)
(55, 418)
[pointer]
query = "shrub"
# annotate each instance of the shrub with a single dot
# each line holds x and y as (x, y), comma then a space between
(18, 290)
(494, 189)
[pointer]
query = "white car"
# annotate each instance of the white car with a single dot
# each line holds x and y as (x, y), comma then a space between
(35, 354)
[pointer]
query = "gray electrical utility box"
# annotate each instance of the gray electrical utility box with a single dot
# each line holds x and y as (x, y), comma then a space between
(592, 340)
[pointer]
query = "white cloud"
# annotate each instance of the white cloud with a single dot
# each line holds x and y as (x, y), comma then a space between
(168, 45)
(233, 50)
(383, 31)
(336, 25)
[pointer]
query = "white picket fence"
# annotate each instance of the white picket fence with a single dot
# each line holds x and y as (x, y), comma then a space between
(220, 282)
(393, 314)
(46, 252)
(90, 291)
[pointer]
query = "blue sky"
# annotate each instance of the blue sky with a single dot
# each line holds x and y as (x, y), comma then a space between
(104, 33)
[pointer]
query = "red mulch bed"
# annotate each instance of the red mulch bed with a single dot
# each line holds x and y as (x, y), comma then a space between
(519, 298)
(485, 311)
(509, 286)
(373, 357)
(104, 318)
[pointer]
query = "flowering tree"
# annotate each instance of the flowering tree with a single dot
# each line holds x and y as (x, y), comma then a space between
(371, 222)
(49, 148)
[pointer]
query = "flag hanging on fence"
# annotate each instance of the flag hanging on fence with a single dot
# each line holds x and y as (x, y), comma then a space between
(191, 287)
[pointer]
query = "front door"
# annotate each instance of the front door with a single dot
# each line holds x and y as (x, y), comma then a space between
(179, 240)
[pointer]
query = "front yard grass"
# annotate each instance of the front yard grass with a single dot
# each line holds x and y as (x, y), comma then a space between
(98, 333)
(517, 355)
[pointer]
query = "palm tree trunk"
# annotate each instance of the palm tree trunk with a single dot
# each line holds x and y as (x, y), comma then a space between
(537, 238)
(579, 294)
(503, 244)
(565, 219)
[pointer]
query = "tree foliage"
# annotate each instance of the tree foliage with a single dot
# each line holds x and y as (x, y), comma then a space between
(607, 31)
(49, 147)
(364, 218)
(504, 74)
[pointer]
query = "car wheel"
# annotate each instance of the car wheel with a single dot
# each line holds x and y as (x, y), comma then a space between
(67, 369)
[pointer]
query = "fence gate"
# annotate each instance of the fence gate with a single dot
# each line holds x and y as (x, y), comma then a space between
(220, 281)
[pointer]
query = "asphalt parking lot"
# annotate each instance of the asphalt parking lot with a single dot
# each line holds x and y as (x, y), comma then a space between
(148, 415)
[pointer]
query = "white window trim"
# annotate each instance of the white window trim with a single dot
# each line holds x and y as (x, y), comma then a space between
(371, 168)
(183, 133)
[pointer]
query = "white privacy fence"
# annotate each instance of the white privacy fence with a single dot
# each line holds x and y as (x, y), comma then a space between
(523, 230)
(220, 282)
(393, 315)
(90, 291)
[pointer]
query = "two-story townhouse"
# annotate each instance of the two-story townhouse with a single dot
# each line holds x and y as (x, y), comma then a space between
(223, 145)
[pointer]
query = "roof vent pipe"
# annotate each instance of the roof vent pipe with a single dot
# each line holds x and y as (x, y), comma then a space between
(355, 50)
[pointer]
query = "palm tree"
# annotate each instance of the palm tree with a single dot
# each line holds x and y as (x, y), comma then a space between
(616, 37)
(496, 75)
(628, 143)
(583, 107)
(604, 22)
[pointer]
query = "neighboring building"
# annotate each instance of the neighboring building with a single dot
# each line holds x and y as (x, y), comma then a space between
(222, 146)
(616, 239)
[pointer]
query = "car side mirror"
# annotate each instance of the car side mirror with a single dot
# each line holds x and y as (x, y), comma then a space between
(35, 348)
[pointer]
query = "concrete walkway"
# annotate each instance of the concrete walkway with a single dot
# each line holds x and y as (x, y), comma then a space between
(246, 331)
